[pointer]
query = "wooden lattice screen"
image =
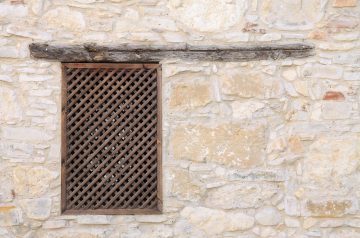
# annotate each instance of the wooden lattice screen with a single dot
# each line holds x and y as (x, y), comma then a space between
(111, 138)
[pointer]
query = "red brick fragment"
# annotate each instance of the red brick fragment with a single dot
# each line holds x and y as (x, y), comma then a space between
(333, 95)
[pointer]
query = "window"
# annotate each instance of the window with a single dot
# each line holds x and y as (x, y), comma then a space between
(111, 139)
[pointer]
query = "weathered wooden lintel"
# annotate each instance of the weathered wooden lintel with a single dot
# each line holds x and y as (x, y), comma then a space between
(136, 53)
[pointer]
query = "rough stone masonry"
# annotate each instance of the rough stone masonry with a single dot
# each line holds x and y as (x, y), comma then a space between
(253, 149)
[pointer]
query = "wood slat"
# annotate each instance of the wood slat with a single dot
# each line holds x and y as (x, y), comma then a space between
(99, 167)
(110, 138)
(140, 53)
(115, 160)
(109, 103)
(91, 103)
(104, 142)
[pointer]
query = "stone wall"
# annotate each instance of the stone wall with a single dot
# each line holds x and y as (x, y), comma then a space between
(256, 149)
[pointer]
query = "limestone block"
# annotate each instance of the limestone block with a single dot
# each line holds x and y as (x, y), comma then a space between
(74, 232)
(6, 78)
(54, 224)
(268, 216)
(26, 31)
(292, 206)
(9, 11)
(25, 134)
(346, 36)
(345, 233)
(34, 77)
(352, 75)
(329, 207)
(187, 96)
(226, 144)
(101, 24)
(290, 74)
(33, 181)
(64, 17)
(270, 175)
(174, 37)
(94, 220)
(151, 218)
(249, 84)
(344, 3)
(183, 186)
(331, 46)
(332, 223)
(241, 195)
(330, 158)
(291, 222)
(322, 71)
(270, 37)
(9, 52)
(245, 110)
(233, 36)
(214, 221)
(336, 110)
(38, 208)
(10, 106)
(299, 15)
(10, 215)
(208, 16)
(342, 22)
(160, 231)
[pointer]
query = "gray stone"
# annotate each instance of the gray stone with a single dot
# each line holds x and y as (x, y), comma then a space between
(268, 216)
(10, 107)
(6, 78)
(241, 195)
(64, 17)
(54, 224)
(214, 221)
(333, 110)
(292, 206)
(28, 32)
(9, 52)
(10, 215)
(151, 218)
(94, 220)
(38, 208)
(208, 16)
(322, 71)
(12, 11)
(34, 78)
(25, 134)
(274, 175)
(292, 15)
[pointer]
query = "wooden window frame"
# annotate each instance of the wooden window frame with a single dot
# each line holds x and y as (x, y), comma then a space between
(112, 211)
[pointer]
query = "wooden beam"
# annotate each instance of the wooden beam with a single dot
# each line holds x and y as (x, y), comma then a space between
(138, 53)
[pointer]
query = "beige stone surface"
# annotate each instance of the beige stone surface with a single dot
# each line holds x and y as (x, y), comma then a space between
(64, 17)
(208, 16)
(10, 215)
(214, 221)
(32, 181)
(186, 96)
(242, 195)
(227, 144)
(37, 208)
(307, 13)
(331, 158)
(250, 149)
(344, 3)
(184, 187)
(10, 107)
(330, 208)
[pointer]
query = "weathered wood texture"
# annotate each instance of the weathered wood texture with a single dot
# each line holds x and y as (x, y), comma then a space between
(134, 53)
(111, 154)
